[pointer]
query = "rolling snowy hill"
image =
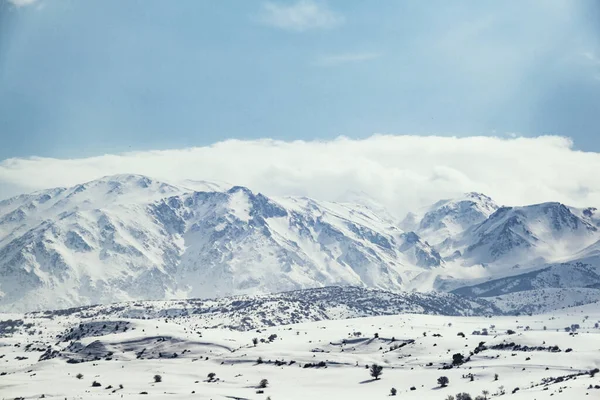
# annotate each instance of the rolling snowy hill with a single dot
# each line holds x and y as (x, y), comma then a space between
(161, 350)
(252, 312)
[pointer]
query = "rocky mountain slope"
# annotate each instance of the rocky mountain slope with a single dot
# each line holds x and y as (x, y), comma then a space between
(129, 237)
(536, 233)
(448, 218)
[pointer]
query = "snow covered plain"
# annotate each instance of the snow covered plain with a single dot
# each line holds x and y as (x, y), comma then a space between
(41, 354)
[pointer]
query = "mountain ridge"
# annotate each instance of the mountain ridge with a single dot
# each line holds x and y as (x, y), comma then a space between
(130, 237)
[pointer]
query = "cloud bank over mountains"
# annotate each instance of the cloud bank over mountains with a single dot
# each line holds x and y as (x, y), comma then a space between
(400, 172)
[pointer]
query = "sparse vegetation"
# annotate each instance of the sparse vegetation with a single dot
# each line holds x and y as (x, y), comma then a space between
(402, 350)
(458, 359)
(376, 371)
(463, 396)
(443, 381)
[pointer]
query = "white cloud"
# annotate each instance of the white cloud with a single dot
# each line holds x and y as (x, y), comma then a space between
(300, 16)
(20, 3)
(401, 172)
(345, 58)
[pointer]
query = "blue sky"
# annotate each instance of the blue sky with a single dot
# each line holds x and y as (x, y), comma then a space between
(84, 78)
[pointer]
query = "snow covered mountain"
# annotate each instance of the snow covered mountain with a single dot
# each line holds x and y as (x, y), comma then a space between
(534, 234)
(129, 237)
(565, 275)
(450, 217)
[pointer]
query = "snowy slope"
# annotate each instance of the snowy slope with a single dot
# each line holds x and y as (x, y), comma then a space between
(490, 251)
(259, 311)
(57, 356)
(450, 217)
(193, 185)
(22, 212)
(242, 242)
(130, 237)
(566, 275)
(515, 249)
(252, 312)
(533, 234)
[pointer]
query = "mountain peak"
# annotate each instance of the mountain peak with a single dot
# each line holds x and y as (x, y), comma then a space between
(243, 189)
(477, 196)
(450, 217)
(545, 232)
(130, 180)
(126, 185)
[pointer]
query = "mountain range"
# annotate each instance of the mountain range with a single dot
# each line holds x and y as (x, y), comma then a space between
(131, 237)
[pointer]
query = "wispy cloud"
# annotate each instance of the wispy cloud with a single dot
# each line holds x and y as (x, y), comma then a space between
(300, 16)
(20, 3)
(594, 60)
(592, 57)
(345, 58)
